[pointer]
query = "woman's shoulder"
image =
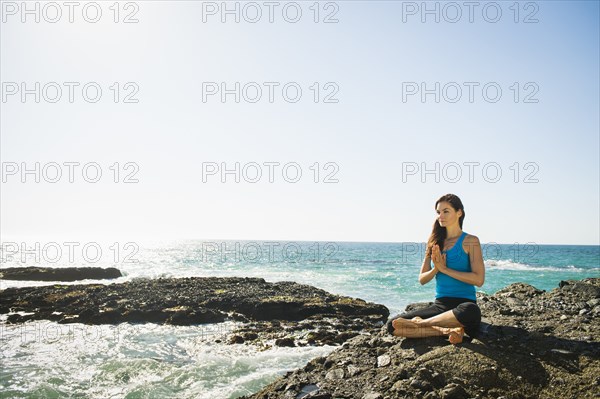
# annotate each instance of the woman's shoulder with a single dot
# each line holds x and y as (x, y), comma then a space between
(470, 242)
(471, 239)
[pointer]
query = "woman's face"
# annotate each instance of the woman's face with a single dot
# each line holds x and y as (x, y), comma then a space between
(447, 216)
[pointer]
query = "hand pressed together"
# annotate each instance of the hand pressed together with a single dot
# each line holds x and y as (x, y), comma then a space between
(439, 259)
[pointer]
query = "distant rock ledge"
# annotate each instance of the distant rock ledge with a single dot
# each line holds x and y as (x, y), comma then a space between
(269, 310)
(58, 273)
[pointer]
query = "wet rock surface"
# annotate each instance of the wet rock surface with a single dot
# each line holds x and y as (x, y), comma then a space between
(58, 274)
(285, 312)
(532, 344)
(317, 330)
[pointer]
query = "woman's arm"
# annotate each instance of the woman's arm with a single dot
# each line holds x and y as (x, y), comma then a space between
(427, 273)
(477, 274)
(465, 277)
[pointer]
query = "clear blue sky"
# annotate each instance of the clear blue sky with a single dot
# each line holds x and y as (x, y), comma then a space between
(370, 133)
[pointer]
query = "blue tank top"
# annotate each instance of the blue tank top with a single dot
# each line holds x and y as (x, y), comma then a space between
(457, 259)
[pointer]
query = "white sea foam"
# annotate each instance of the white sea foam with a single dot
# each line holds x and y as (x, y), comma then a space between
(146, 359)
(510, 265)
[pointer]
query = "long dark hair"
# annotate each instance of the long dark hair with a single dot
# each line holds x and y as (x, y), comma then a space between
(439, 233)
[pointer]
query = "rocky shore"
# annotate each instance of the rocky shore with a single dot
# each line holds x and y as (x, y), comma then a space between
(286, 312)
(59, 274)
(533, 344)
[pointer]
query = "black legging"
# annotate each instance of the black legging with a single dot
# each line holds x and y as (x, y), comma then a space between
(465, 310)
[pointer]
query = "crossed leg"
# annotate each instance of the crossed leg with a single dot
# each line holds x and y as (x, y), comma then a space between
(441, 324)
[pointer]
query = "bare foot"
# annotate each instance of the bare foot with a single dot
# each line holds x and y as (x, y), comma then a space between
(402, 322)
(455, 334)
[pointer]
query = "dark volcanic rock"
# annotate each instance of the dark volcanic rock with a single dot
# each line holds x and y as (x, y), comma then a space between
(285, 342)
(533, 344)
(185, 301)
(58, 274)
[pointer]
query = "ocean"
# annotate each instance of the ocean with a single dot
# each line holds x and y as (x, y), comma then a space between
(49, 360)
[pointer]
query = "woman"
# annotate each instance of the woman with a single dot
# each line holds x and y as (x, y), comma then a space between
(457, 271)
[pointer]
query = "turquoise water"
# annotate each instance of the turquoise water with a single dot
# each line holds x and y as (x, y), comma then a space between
(44, 359)
(380, 272)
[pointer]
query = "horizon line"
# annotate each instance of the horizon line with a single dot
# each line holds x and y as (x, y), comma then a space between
(145, 238)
